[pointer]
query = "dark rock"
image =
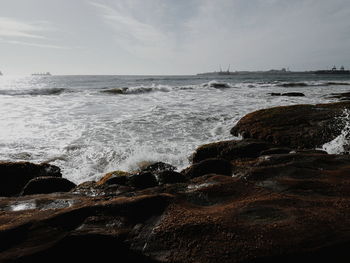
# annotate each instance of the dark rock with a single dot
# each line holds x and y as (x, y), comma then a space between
(15, 175)
(116, 177)
(302, 174)
(171, 177)
(142, 180)
(293, 94)
(293, 84)
(311, 151)
(283, 208)
(46, 185)
(297, 126)
(211, 150)
(158, 167)
(231, 150)
(248, 148)
(85, 186)
(115, 91)
(88, 230)
(344, 96)
(288, 94)
(209, 166)
(332, 83)
(276, 151)
(217, 85)
(93, 189)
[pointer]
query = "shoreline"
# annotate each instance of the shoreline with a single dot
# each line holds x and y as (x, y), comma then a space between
(270, 194)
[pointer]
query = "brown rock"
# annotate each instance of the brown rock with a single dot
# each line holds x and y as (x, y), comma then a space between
(231, 150)
(158, 167)
(284, 208)
(116, 177)
(298, 126)
(142, 180)
(212, 150)
(170, 177)
(83, 229)
(276, 150)
(46, 185)
(209, 166)
(15, 175)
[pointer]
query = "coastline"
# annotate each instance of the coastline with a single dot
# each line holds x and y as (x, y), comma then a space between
(271, 196)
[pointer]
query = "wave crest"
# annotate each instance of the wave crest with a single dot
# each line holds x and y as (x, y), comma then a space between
(33, 92)
(137, 90)
(217, 85)
(312, 84)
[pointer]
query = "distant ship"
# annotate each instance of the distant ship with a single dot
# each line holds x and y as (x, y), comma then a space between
(1, 73)
(42, 74)
(334, 70)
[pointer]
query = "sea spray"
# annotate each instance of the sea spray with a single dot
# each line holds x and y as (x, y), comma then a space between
(340, 144)
(69, 122)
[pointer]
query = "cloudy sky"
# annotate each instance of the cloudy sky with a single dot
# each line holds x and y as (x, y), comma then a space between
(172, 36)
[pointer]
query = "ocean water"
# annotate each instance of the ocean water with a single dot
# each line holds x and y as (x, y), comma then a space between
(90, 125)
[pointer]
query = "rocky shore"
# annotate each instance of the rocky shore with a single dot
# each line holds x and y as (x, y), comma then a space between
(270, 197)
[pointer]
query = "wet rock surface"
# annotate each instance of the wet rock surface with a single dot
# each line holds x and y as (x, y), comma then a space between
(230, 150)
(344, 96)
(208, 166)
(288, 94)
(15, 175)
(46, 185)
(297, 126)
(283, 204)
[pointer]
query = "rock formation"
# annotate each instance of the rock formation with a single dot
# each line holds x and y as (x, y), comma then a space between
(270, 198)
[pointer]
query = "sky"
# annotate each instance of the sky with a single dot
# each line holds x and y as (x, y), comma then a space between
(172, 36)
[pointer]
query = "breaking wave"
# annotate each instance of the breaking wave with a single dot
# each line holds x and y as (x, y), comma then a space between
(137, 90)
(340, 144)
(311, 84)
(33, 92)
(217, 85)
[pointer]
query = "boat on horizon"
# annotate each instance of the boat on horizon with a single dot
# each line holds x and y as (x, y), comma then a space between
(42, 74)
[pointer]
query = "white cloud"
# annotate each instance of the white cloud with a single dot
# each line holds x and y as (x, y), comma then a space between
(16, 32)
(11, 28)
(139, 37)
(24, 43)
(184, 36)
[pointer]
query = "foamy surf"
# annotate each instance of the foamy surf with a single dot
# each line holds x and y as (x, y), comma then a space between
(340, 144)
(88, 133)
(137, 90)
(33, 92)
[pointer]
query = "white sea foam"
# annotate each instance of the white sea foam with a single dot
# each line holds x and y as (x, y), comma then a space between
(87, 132)
(138, 89)
(340, 144)
(25, 205)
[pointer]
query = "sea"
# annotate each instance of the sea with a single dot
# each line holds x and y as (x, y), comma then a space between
(91, 125)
